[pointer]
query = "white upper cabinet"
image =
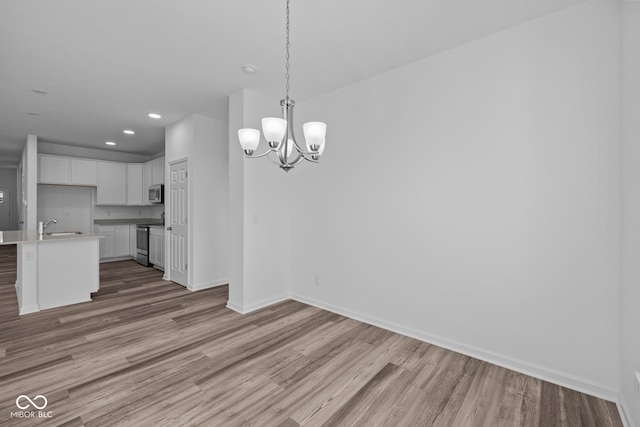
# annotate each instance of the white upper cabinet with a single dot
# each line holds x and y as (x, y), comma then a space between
(53, 169)
(157, 175)
(112, 183)
(152, 174)
(84, 172)
(147, 170)
(135, 191)
(119, 184)
(66, 170)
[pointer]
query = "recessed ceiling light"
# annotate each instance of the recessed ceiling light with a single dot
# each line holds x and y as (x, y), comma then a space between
(110, 143)
(249, 69)
(129, 132)
(39, 91)
(155, 116)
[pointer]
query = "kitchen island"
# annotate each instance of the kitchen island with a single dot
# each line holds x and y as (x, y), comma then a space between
(54, 270)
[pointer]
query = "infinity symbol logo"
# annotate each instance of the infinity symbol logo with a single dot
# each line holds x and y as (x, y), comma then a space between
(35, 405)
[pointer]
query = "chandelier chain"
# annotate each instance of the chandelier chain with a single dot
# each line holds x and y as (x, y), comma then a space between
(287, 68)
(279, 131)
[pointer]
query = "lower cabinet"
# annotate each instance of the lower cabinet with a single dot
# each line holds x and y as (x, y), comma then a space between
(133, 244)
(116, 243)
(156, 247)
(108, 243)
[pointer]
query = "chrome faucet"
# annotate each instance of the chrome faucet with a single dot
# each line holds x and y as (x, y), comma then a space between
(48, 223)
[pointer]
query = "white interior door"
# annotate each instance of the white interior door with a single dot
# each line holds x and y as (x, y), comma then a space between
(178, 228)
(6, 220)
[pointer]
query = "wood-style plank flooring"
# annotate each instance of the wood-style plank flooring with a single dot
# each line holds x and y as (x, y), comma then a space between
(146, 352)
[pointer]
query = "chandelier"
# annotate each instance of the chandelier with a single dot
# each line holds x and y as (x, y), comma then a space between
(278, 132)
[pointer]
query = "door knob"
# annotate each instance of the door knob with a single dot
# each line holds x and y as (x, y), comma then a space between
(169, 228)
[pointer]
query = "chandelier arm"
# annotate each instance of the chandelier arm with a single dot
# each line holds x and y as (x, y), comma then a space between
(298, 160)
(259, 155)
(277, 163)
(310, 159)
(288, 160)
(304, 153)
(295, 143)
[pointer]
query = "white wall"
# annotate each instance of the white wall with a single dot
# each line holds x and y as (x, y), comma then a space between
(202, 141)
(236, 204)
(630, 296)
(70, 205)
(210, 186)
(259, 212)
(472, 199)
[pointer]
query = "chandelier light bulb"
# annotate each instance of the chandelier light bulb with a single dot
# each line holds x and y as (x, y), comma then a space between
(249, 139)
(274, 129)
(314, 135)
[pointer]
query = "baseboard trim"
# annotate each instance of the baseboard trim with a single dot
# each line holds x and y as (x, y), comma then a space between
(207, 285)
(115, 259)
(18, 287)
(234, 307)
(28, 309)
(565, 380)
(257, 305)
(625, 416)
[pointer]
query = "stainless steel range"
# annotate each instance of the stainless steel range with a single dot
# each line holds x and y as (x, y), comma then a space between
(142, 244)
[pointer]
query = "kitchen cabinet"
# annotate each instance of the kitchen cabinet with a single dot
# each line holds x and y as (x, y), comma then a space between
(157, 174)
(119, 184)
(62, 170)
(53, 170)
(152, 174)
(122, 240)
(133, 244)
(156, 246)
(116, 241)
(134, 184)
(147, 170)
(83, 172)
(112, 183)
(107, 244)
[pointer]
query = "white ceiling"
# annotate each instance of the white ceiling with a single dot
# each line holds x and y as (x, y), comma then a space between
(105, 64)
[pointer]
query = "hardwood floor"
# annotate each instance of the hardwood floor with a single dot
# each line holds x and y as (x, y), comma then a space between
(149, 352)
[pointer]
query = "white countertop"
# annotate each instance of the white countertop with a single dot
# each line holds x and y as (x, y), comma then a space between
(13, 237)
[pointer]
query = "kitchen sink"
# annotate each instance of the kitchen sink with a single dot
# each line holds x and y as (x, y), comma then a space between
(64, 233)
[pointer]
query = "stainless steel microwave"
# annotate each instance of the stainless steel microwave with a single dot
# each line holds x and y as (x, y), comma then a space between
(156, 193)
